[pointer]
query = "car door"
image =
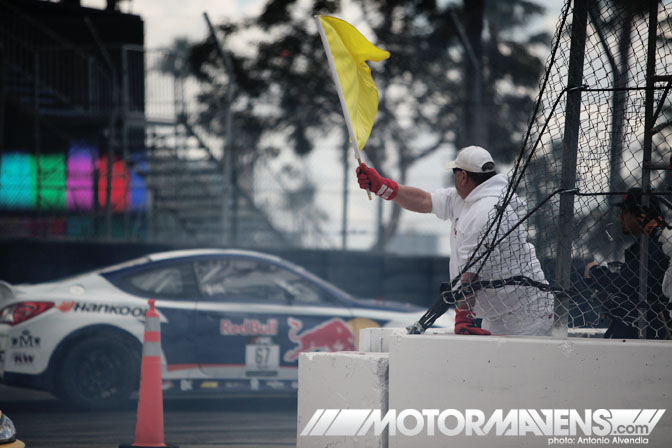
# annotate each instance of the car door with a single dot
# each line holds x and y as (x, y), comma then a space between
(173, 285)
(255, 317)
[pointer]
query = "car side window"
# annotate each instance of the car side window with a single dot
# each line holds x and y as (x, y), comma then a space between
(168, 281)
(253, 280)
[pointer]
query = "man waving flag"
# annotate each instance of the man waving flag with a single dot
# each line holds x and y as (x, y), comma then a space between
(347, 51)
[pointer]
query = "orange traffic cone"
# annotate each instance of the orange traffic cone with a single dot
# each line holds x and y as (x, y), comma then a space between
(149, 423)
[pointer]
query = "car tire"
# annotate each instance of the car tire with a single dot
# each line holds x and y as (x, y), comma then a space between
(99, 373)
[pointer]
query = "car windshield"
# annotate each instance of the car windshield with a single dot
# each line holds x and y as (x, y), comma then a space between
(235, 278)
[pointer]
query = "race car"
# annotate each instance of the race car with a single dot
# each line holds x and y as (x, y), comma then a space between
(231, 321)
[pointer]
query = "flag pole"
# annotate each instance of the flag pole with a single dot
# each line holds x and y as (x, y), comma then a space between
(341, 97)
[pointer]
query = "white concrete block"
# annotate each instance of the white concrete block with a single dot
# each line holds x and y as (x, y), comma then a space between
(488, 373)
(341, 380)
(377, 340)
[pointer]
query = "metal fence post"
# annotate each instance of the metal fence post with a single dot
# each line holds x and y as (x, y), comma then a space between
(229, 155)
(125, 108)
(646, 165)
(344, 213)
(563, 259)
(36, 130)
(3, 90)
(89, 79)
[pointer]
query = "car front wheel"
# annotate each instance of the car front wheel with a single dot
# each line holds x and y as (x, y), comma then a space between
(100, 372)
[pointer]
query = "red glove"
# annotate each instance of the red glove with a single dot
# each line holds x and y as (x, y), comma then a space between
(464, 324)
(369, 179)
(651, 221)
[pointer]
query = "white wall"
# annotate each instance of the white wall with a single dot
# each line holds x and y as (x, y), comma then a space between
(442, 371)
(344, 380)
(377, 339)
(487, 373)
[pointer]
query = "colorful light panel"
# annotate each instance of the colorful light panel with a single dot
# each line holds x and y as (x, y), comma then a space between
(17, 181)
(49, 177)
(138, 185)
(57, 182)
(119, 194)
(80, 177)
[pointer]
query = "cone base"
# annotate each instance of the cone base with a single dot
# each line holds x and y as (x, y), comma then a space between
(15, 444)
(130, 445)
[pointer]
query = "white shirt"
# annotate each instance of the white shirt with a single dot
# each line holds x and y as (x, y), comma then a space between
(666, 240)
(511, 309)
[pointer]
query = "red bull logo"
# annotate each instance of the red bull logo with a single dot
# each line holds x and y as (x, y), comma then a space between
(251, 327)
(333, 335)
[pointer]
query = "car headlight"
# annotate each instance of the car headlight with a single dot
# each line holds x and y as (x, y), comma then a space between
(7, 431)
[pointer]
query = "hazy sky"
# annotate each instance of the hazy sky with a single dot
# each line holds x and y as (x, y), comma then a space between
(166, 20)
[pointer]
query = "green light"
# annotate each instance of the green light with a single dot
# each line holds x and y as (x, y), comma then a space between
(51, 181)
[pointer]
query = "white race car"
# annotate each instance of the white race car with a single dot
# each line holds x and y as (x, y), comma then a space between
(231, 321)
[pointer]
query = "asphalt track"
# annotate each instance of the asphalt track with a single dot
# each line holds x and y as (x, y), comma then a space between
(43, 422)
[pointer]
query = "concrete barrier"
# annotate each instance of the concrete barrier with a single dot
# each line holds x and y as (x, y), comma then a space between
(521, 376)
(489, 373)
(377, 339)
(343, 380)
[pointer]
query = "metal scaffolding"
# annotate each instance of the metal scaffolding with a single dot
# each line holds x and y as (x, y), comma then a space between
(108, 145)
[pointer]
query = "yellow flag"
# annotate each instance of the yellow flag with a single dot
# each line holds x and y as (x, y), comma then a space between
(348, 52)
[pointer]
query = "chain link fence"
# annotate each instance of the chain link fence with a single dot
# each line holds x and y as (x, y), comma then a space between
(601, 128)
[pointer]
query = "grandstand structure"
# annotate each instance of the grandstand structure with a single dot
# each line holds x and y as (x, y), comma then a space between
(101, 141)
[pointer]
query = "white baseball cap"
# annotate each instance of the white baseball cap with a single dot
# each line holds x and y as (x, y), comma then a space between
(473, 159)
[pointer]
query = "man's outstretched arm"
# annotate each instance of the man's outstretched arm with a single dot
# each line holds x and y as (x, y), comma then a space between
(410, 198)
(414, 199)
